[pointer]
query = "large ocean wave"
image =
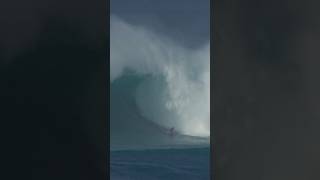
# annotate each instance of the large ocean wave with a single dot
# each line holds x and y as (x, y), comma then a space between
(157, 84)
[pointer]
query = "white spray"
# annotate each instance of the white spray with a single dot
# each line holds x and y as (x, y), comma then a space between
(178, 94)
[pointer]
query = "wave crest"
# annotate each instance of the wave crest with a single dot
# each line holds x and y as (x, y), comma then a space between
(177, 90)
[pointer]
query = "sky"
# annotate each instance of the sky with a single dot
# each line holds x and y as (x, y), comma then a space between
(185, 21)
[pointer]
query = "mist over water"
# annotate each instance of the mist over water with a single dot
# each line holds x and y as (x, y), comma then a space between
(175, 90)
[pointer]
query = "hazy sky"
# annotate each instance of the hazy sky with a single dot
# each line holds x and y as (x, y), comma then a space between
(187, 21)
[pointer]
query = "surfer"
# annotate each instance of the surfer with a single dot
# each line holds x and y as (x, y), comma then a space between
(172, 132)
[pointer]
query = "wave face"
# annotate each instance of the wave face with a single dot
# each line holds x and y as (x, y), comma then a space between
(156, 85)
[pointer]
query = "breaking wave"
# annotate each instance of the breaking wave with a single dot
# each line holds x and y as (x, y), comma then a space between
(157, 84)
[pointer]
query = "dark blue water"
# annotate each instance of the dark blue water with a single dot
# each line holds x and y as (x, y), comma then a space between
(161, 164)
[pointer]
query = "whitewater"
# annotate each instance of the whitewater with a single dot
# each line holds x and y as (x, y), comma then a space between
(157, 84)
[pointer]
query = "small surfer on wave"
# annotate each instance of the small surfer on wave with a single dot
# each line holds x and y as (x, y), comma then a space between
(172, 132)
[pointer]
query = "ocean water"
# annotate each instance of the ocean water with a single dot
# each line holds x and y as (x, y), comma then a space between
(157, 85)
(160, 164)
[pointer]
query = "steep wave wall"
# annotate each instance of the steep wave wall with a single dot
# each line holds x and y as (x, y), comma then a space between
(157, 85)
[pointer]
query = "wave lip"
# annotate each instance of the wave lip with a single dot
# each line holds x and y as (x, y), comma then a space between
(157, 85)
